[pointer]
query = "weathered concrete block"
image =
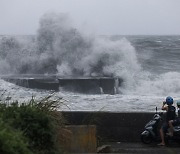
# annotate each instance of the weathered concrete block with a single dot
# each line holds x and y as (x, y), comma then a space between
(82, 139)
(83, 85)
(37, 83)
(88, 85)
(48, 84)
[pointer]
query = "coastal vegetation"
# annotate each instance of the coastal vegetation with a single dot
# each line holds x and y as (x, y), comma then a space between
(33, 127)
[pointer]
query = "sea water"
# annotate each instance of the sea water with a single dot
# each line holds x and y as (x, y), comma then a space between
(148, 65)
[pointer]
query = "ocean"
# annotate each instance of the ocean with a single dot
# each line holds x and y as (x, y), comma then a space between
(148, 66)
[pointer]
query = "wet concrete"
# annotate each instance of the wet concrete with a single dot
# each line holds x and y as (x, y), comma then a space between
(81, 139)
(81, 85)
(33, 81)
(140, 148)
(96, 85)
(88, 85)
(111, 126)
(121, 131)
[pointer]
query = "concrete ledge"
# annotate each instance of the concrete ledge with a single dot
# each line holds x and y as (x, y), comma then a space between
(112, 126)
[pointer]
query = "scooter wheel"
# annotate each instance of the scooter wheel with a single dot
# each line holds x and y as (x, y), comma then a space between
(146, 137)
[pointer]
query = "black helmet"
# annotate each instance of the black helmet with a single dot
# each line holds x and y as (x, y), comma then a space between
(169, 100)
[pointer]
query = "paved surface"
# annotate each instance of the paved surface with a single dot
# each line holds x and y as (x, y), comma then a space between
(140, 148)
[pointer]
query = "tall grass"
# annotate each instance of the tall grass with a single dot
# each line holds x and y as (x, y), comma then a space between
(38, 123)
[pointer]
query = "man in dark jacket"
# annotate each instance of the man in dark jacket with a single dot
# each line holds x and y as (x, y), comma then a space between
(170, 115)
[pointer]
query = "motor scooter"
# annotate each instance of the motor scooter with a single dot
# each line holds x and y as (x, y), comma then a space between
(151, 130)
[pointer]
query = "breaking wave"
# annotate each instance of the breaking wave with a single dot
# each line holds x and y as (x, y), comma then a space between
(61, 49)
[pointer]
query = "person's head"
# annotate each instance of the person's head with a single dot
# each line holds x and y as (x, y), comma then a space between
(178, 103)
(169, 100)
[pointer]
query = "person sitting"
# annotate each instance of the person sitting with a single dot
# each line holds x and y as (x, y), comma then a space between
(170, 115)
(174, 122)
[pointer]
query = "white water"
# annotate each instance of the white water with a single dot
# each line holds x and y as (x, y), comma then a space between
(62, 49)
(80, 102)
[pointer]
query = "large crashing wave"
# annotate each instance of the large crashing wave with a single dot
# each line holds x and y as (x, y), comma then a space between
(61, 49)
(75, 54)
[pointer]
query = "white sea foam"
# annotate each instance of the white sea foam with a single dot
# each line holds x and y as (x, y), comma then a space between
(59, 48)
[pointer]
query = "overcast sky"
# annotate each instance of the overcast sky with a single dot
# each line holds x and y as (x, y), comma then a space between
(123, 17)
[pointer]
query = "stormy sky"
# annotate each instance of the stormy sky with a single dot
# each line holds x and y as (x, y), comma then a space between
(108, 17)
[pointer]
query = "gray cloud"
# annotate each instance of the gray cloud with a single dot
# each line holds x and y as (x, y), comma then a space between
(101, 16)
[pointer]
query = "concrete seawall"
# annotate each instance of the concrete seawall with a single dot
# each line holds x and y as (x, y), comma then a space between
(112, 126)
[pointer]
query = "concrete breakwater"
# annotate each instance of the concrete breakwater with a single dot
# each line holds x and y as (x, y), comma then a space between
(89, 85)
(112, 126)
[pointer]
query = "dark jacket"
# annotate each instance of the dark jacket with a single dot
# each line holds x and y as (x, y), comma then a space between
(171, 113)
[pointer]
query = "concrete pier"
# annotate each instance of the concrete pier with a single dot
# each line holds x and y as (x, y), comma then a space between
(88, 85)
(101, 85)
(34, 82)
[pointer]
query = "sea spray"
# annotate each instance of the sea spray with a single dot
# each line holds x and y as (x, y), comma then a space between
(59, 48)
(62, 49)
(163, 85)
(143, 89)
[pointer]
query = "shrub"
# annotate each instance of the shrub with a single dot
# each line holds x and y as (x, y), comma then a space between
(37, 121)
(12, 141)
